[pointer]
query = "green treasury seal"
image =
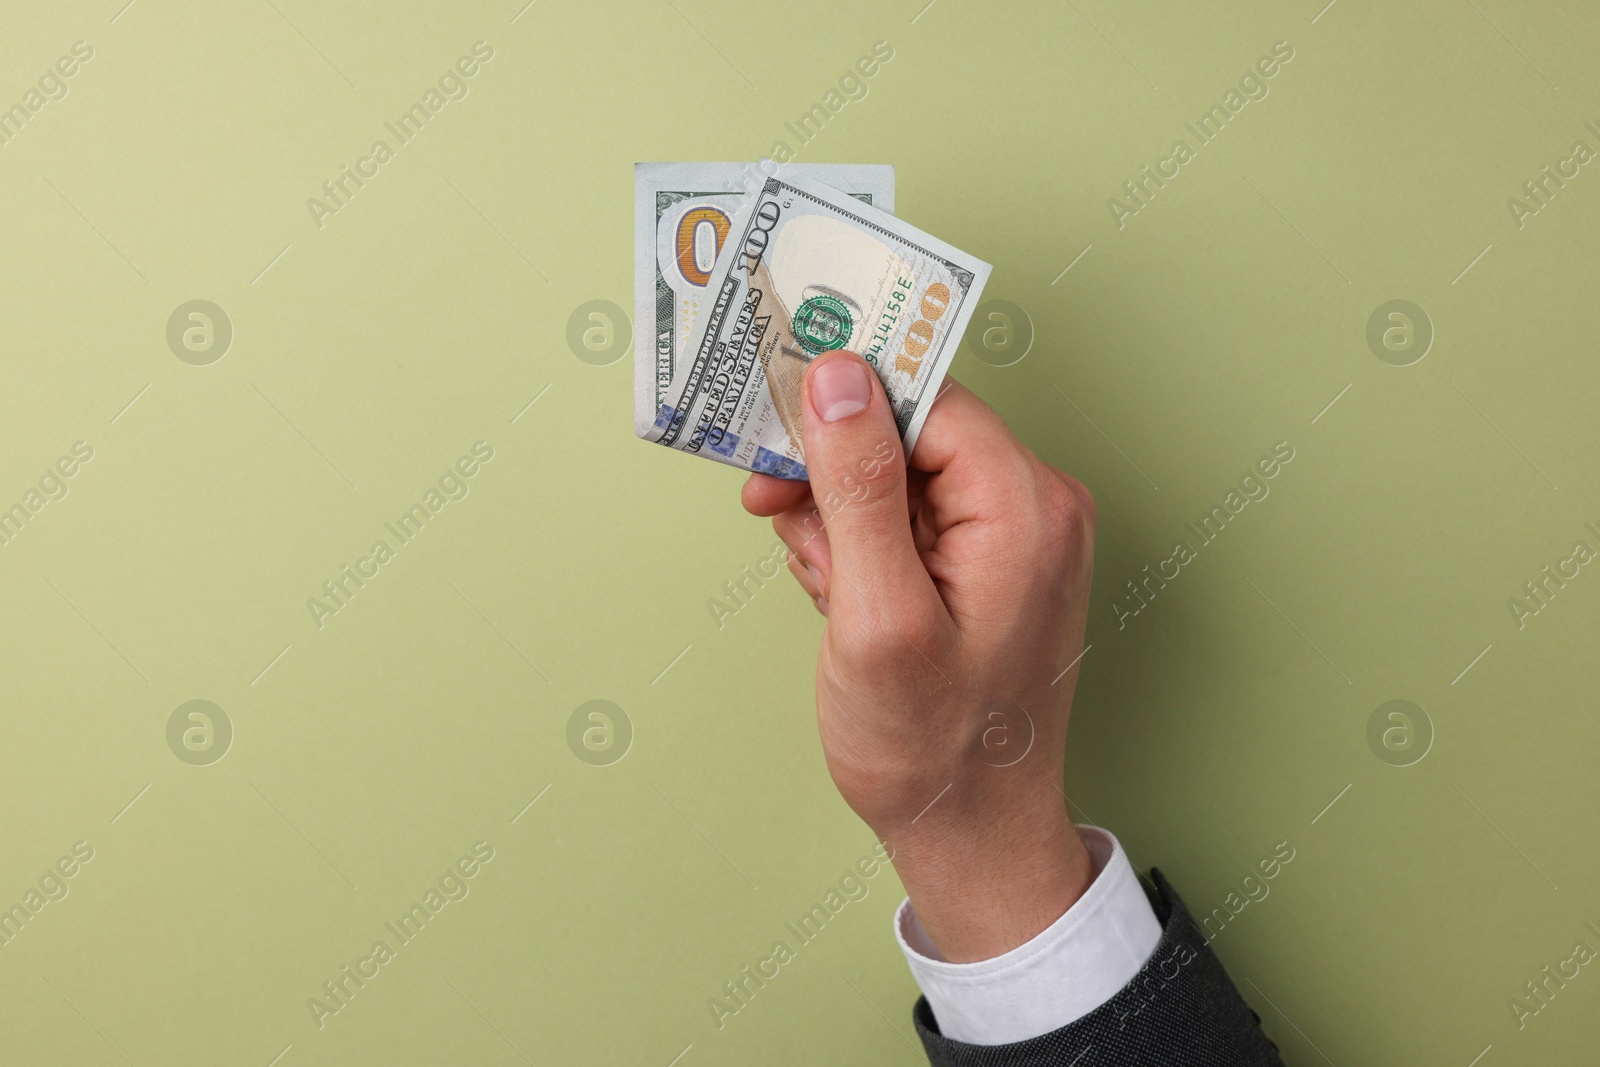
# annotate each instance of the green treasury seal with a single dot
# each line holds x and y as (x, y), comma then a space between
(822, 324)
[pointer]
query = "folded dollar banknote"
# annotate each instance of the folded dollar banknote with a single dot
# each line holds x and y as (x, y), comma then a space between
(745, 274)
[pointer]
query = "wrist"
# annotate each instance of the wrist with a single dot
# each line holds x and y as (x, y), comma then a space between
(981, 890)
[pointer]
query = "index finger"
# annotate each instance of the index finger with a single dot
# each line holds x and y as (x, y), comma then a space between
(767, 496)
(964, 437)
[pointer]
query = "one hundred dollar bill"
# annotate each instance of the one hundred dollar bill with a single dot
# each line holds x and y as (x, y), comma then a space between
(806, 269)
(682, 215)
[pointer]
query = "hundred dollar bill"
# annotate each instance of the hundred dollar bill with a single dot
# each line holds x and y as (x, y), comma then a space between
(682, 213)
(805, 270)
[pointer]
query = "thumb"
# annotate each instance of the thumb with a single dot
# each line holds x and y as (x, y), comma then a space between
(858, 479)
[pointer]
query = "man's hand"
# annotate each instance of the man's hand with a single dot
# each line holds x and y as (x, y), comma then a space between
(955, 594)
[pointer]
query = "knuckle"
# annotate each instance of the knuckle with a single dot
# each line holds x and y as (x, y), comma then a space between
(871, 648)
(1086, 500)
(1080, 494)
(893, 640)
(911, 625)
(1066, 518)
(870, 482)
(1076, 513)
(798, 528)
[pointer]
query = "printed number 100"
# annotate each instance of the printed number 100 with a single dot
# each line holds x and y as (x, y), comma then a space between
(935, 302)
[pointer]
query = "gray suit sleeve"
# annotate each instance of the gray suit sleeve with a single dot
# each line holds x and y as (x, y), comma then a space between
(1181, 1010)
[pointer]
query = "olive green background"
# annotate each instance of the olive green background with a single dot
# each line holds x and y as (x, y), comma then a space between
(370, 353)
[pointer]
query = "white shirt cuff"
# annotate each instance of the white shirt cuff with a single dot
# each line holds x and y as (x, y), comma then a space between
(1071, 968)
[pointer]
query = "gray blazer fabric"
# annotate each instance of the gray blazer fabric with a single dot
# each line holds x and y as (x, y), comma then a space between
(1181, 1010)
